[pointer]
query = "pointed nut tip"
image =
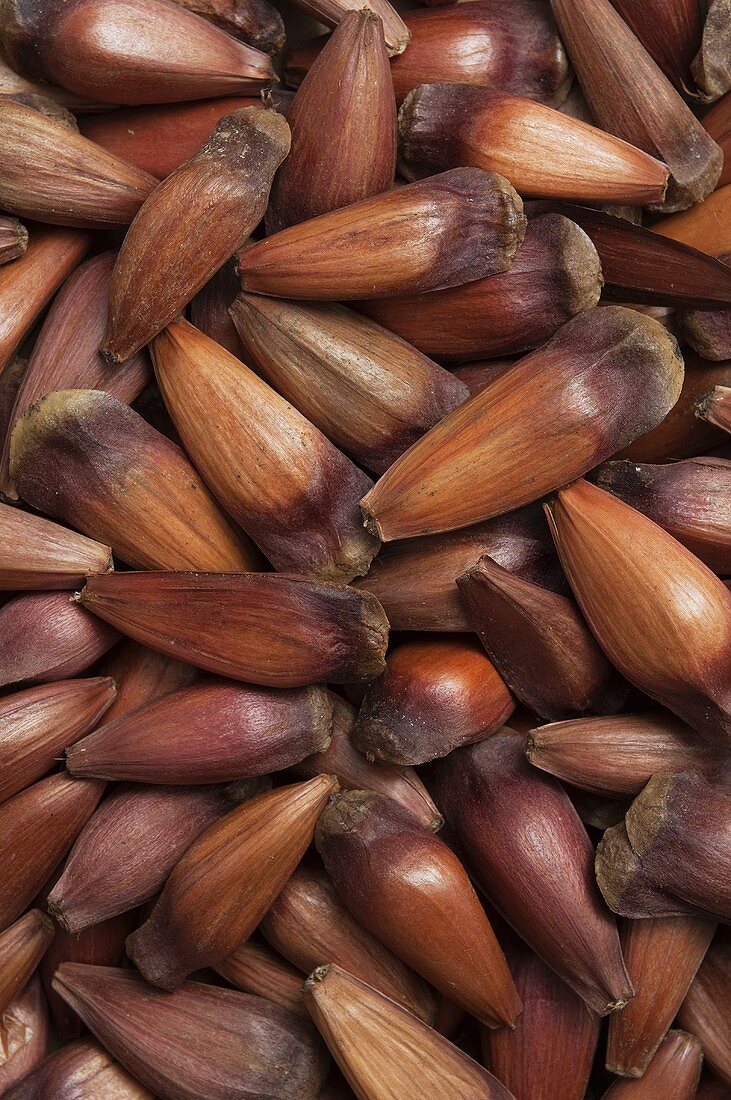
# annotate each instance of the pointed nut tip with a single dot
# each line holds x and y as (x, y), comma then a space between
(318, 975)
(108, 355)
(370, 522)
(621, 1002)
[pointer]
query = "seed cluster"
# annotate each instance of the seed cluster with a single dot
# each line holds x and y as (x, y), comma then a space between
(365, 550)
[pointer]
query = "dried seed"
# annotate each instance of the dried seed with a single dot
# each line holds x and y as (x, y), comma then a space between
(679, 828)
(308, 923)
(37, 828)
(626, 887)
(672, 1074)
(216, 197)
(127, 849)
(101, 945)
(554, 276)
(660, 615)
(50, 173)
(629, 96)
(66, 353)
(234, 731)
(367, 390)
(35, 553)
(253, 968)
(88, 459)
(290, 489)
(662, 957)
(605, 377)
(717, 122)
(435, 695)
(39, 723)
(690, 499)
(27, 285)
(639, 265)
(279, 631)
(209, 310)
(384, 1051)
(410, 890)
(47, 636)
(414, 580)
(80, 1071)
(161, 137)
(450, 229)
(543, 152)
(256, 22)
(617, 755)
(706, 226)
(682, 434)
(550, 1052)
(355, 773)
(513, 47)
(226, 881)
(539, 644)
(141, 675)
(706, 1008)
(670, 32)
(709, 331)
(531, 855)
(343, 127)
(199, 1041)
(22, 946)
(129, 51)
(711, 66)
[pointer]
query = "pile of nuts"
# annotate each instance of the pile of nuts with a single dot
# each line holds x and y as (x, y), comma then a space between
(365, 550)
